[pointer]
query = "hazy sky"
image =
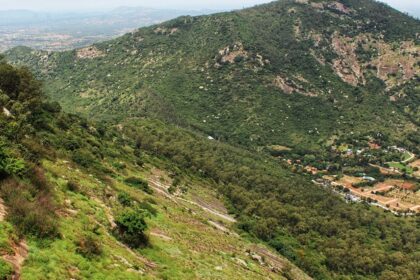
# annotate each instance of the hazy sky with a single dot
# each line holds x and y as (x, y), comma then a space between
(404, 5)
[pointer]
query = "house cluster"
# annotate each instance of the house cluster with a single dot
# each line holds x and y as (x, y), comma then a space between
(398, 149)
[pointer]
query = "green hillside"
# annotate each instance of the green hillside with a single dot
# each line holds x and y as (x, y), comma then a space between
(292, 73)
(156, 167)
(146, 200)
(83, 201)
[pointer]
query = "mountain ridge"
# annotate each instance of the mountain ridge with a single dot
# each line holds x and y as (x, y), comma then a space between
(142, 64)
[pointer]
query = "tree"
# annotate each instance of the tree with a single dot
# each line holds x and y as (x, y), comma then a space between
(9, 80)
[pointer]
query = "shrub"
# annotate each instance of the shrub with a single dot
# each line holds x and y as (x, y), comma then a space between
(9, 80)
(125, 199)
(32, 215)
(139, 183)
(83, 158)
(38, 179)
(6, 270)
(88, 246)
(33, 219)
(131, 227)
(9, 165)
(73, 186)
(150, 200)
(119, 165)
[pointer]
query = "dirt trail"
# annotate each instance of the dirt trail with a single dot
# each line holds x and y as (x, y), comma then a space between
(412, 156)
(160, 234)
(20, 249)
(2, 210)
(163, 189)
(20, 254)
(222, 228)
(107, 211)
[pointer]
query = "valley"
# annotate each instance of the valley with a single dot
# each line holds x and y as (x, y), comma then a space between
(360, 173)
(58, 31)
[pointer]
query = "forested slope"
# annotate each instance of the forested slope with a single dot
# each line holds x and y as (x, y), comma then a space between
(293, 73)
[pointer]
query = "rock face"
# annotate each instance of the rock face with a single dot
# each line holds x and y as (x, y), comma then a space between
(334, 6)
(394, 65)
(347, 65)
(295, 85)
(165, 31)
(338, 7)
(285, 86)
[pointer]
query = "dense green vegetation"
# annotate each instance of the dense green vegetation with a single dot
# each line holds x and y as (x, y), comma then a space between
(175, 72)
(311, 226)
(59, 175)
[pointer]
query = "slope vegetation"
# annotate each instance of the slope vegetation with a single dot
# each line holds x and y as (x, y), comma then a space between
(291, 73)
(81, 201)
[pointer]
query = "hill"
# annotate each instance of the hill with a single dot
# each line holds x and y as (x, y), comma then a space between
(80, 200)
(292, 73)
(299, 75)
(144, 199)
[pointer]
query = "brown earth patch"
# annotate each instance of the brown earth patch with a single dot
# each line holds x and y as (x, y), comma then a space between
(89, 53)
(3, 211)
(415, 164)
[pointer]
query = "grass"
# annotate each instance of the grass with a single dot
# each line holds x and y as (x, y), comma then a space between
(6, 235)
(398, 165)
(193, 249)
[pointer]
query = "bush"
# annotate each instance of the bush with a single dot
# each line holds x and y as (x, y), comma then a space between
(73, 186)
(32, 215)
(38, 179)
(9, 80)
(125, 199)
(131, 227)
(6, 270)
(9, 165)
(83, 158)
(139, 183)
(31, 218)
(88, 246)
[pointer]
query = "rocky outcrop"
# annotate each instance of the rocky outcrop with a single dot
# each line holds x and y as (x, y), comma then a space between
(7, 112)
(347, 65)
(89, 53)
(393, 64)
(165, 31)
(291, 86)
(338, 7)
(230, 54)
